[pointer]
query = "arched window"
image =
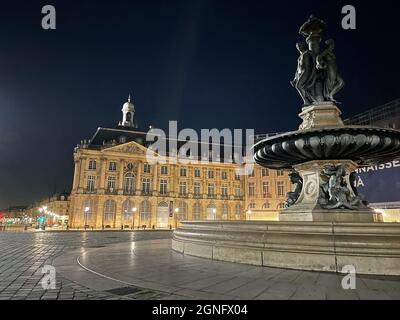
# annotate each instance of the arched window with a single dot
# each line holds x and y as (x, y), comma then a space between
(87, 211)
(145, 210)
(129, 184)
(211, 212)
(182, 213)
(128, 210)
(266, 205)
(238, 211)
(225, 212)
(197, 211)
(281, 206)
(109, 210)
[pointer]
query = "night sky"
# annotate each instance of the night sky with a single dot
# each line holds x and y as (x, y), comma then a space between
(208, 64)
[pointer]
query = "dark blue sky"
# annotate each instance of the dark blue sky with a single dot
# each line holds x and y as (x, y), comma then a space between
(222, 64)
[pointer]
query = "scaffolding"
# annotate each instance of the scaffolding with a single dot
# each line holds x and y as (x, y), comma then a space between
(385, 112)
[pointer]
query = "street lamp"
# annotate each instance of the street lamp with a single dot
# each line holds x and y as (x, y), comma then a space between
(134, 209)
(86, 214)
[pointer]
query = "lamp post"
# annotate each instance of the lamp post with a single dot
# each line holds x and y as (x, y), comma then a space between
(86, 214)
(176, 217)
(134, 209)
(248, 214)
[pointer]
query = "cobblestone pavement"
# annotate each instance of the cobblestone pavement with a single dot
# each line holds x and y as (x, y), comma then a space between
(141, 265)
(23, 256)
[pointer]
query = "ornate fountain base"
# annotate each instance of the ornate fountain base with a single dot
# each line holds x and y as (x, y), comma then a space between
(326, 195)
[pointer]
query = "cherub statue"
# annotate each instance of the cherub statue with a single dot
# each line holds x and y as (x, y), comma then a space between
(297, 180)
(335, 193)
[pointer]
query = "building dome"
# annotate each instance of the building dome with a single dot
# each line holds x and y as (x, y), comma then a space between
(128, 106)
(128, 115)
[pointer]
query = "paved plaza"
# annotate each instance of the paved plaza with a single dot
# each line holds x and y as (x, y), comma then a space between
(141, 265)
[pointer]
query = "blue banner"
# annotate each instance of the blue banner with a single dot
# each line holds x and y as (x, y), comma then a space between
(379, 184)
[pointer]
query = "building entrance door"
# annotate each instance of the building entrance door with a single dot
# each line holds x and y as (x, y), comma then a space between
(162, 216)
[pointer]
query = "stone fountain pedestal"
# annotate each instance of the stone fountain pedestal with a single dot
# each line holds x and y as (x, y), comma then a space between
(312, 202)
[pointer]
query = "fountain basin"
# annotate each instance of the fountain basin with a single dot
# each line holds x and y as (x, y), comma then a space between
(372, 248)
(366, 146)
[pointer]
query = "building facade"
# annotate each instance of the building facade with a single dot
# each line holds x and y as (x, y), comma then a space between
(55, 209)
(116, 186)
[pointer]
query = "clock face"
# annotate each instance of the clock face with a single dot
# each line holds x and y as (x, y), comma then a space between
(130, 166)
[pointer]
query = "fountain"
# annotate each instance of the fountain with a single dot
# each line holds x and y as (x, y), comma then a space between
(326, 224)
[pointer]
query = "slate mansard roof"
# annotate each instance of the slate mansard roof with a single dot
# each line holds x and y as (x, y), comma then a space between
(109, 137)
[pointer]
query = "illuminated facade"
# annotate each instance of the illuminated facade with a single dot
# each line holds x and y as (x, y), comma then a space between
(116, 187)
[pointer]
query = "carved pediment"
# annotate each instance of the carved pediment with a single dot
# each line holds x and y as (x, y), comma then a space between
(130, 147)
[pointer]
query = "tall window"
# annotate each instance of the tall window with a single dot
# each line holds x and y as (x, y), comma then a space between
(265, 187)
(146, 168)
(197, 173)
(197, 211)
(210, 174)
(183, 172)
(224, 175)
(182, 187)
(264, 172)
(237, 176)
(109, 210)
(127, 210)
(164, 170)
(281, 188)
(145, 210)
(182, 212)
(252, 189)
(111, 184)
(238, 190)
(112, 166)
(90, 185)
(211, 189)
(280, 173)
(146, 185)
(197, 188)
(224, 190)
(129, 183)
(92, 165)
(163, 187)
(225, 212)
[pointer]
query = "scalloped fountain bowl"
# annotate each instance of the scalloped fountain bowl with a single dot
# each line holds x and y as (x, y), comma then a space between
(365, 146)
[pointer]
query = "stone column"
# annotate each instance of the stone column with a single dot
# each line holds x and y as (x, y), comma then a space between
(77, 171)
(155, 180)
(139, 178)
(121, 177)
(101, 187)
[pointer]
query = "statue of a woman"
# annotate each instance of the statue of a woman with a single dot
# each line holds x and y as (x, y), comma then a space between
(326, 61)
(305, 73)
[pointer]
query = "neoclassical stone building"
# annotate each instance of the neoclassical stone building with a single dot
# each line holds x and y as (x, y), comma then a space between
(115, 186)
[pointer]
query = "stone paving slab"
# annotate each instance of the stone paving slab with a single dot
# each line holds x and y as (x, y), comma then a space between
(142, 266)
